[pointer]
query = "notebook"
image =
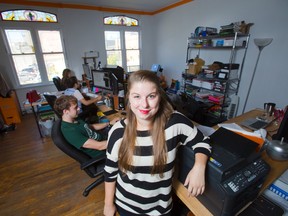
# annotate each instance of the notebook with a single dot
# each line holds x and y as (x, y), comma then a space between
(256, 123)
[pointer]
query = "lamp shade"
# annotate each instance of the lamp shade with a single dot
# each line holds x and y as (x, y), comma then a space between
(262, 42)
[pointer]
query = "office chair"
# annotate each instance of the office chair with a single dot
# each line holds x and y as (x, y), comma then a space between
(51, 100)
(57, 83)
(94, 167)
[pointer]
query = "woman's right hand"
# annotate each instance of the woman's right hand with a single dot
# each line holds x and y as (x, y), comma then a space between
(109, 210)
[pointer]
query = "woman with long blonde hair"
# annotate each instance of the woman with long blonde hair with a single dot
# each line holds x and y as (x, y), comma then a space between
(142, 151)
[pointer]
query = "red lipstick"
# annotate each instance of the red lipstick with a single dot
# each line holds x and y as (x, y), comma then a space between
(144, 111)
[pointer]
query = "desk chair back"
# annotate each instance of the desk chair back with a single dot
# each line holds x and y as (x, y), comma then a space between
(94, 167)
(51, 101)
(57, 83)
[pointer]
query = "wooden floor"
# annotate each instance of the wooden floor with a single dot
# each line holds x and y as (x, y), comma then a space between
(38, 179)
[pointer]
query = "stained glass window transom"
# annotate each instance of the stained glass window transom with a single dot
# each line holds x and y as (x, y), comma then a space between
(28, 16)
(121, 20)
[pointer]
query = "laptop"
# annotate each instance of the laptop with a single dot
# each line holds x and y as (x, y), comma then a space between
(256, 123)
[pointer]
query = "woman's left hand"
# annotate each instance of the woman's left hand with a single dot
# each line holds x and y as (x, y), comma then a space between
(195, 180)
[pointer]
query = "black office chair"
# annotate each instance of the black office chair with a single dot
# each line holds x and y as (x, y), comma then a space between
(57, 83)
(94, 167)
(51, 100)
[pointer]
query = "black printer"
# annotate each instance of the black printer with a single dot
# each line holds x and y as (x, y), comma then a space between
(234, 175)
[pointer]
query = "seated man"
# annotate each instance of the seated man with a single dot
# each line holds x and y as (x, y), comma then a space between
(89, 110)
(77, 132)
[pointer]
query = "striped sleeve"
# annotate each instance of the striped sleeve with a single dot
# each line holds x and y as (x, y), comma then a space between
(114, 140)
(186, 133)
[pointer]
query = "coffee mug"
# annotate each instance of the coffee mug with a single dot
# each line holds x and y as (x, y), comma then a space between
(269, 108)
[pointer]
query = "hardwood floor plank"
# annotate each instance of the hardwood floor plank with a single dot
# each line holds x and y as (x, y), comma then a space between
(38, 179)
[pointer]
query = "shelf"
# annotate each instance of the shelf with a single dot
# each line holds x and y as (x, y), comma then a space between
(217, 47)
(231, 91)
(224, 81)
(234, 42)
(239, 35)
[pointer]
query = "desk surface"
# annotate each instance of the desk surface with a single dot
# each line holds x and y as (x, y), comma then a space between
(277, 168)
(104, 108)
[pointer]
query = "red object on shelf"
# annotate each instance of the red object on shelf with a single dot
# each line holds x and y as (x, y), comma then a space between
(216, 99)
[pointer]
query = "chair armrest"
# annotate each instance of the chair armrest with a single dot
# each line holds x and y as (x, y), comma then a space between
(93, 161)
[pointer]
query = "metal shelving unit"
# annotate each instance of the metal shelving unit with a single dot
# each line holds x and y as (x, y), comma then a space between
(229, 43)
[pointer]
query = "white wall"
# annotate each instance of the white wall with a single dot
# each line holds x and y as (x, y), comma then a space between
(269, 18)
(164, 40)
(83, 31)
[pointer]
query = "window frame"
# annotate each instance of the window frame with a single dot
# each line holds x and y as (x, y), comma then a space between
(122, 30)
(33, 27)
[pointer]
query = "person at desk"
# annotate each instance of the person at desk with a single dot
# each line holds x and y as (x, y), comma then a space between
(66, 74)
(142, 149)
(89, 104)
(86, 137)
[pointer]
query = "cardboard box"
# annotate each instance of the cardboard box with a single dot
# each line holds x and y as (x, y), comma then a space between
(196, 67)
(192, 69)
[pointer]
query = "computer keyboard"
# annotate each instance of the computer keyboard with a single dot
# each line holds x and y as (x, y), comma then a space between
(110, 112)
(92, 95)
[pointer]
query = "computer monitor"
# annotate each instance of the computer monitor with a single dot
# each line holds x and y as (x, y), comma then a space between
(283, 128)
(105, 80)
(118, 72)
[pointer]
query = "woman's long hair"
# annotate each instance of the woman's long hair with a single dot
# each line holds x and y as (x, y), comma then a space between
(127, 148)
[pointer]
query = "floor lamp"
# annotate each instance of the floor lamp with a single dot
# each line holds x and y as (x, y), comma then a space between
(260, 43)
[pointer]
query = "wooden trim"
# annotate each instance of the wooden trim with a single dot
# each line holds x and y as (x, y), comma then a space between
(86, 7)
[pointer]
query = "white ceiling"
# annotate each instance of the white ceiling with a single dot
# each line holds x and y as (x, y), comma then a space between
(135, 5)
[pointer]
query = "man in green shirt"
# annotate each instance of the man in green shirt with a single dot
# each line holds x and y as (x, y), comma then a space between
(85, 137)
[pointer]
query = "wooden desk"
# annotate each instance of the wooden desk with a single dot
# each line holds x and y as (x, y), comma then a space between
(104, 108)
(277, 168)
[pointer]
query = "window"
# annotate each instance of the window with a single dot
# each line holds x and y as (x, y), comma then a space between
(52, 52)
(120, 20)
(122, 48)
(132, 50)
(28, 16)
(37, 55)
(27, 57)
(122, 42)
